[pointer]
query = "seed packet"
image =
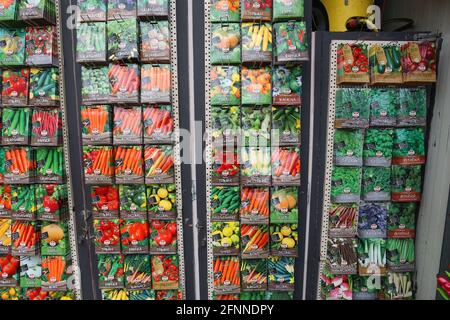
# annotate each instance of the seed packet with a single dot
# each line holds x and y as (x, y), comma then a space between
(286, 126)
(226, 43)
(226, 124)
(281, 273)
(134, 236)
(9, 10)
(141, 294)
(5, 236)
(98, 164)
(159, 165)
(225, 85)
(412, 109)
(352, 63)
(371, 257)
(342, 221)
(287, 85)
(92, 10)
(158, 124)
(419, 62)
(127, 125)
(110, 271)
(406, 183)
(96, 125)
(105, 202)
(38, 11)
(25, 238)
(225, 238)
(46, 127)
(23, 202)
(50, 165)
(224, 203)
(54, 240)
(138, 275)
(255, 205)
(291, 41)
(225, 11)
(256, 125)
(383, 107)
(128, 164)
(366, 287)
(335, 287)
(2, 166)
(55, 273)
(376, 184)
(256, 10)
(122, 39)
(91, 42)
(226, 275)
(30, 272)
(288, 9)
(345, 185)
(225, 164)
(400, 255)
(352, 108)
(155, 41)
(163, 237)
(41, 46)
(284, 205)
(378, 145)
(51, 202)
(95, 87)
(121, 9)
(44, 87)
(107, 236)
(165, 272)
(254, 241)
(284, 240)
(19, 165)
(385, 64)
(286, 166)
(256, 86)
(398, 286)
(153, 8)
(124, 83)
(16, 126)
(232, 297)
(9, 269)
(254, 275)
(256, 166)
(5, 201)
(348, 147)
(401, 220)
(156, 83)
(133, 202)
(409, 146)
(276, 295)
(256, 42)
(372, 220)
(115, 294)
(341, 256)
(169, 295)
(15, 88)
(162, 204)
(12, 51)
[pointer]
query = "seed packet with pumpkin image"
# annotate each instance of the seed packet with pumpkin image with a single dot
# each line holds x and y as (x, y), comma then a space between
(138, 275)
(225, 238)
(55, 272)
(256, 10)
(152, 8)
(134, 236)
(105, 202)
(225, 11)
(110, 271)
(54, 241)
(288, 9)
(163, 237)
(254, 241)
(256, 42)
(255, 205)
(291, 41)
(284, 205)
(224, 202)
(254, 275)
(107, 236)
(162, 201)
(30, 272)
(155, 41)
(9, 269)
(133, 202)
(226, 275)
(256, 86)
(281, 273)
(225, 43)
(225, 85)
(165, 272)
(284, 240)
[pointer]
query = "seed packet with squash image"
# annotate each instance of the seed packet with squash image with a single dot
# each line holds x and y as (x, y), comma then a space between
(255, 205)
(54, 239)
(254, 275)
(385, 64)
(134, 236)
(225, 43)
(5, 201)
(352, 108)
(50, 165)
(376, 184)
(127, 125)
(9, 269)
(225, 11)
(345, 184)
(95, 86)
(155, 41)
(105, 202)
(133, 202)
(371, 257)
(256, 42)
(110, 271)
(256, 126)
(25, 238)
(286, 125)
(383, 107)
(256, 10)
(225, 238)
(378, 145)
(5, 236)
(92, 10)
(138, 275)
(15, 87)
(284, 205)
(412, 109)
(254, 241)
(281, 273)
(343, 219)
(162, 201)
(156, 83)
(288, 9)
(256, 86)
(406, 183)
(91, 42)
(16, 129)
(348, 147)
(124, 83)
(46, 127)
(107, 236)
(341, 256)
(12, 51)
(400, 255)
(159, 165)
(20, 165)
(96, 124)
(226, 275)
(225, 85)
(98, 164)
(401, 220)
(128, 164)
(55, 273)
(352, 63)
(291, 41)
(165, 272)
(409, 146)
(115, 294)
(226, 124)
(225, 164)
(284, 240)
(286, 166)
(23, 202)
(287, 85)
(30, 272)
(163, 237)
(224, 203)
(121, 9)
(372, 219)
(255, 166)
(158, 124)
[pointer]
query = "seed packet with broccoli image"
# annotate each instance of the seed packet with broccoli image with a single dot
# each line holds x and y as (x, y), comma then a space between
(378, 145)
(224, 203)
(291, 41)
(402, 220)
(372, 219)
(288, 9)
(287, 85)
(400, 255)
(94, 85)
(286, 125)
(348, 147)
(398, 286)
(371, 257)
(225, 11)
(284, 205)
(406, 183)
(226, 124)
(153, 8)
(54, 241)
(30, 272)
(256, 10)
(383, 107)
(91, 42)
(92, 10)
(385, 64)
(225, 238)
(366, 287)
(225, 43)
(343, 219)
(110, 271)
(341, 256)
(376, 184)
(345, 184)
(256, 42)
(409, 146)
(352, 108)
(121, 9)
(254, 275)
(284, 240)
(256, 125)
(225, 85)
(412, 109)
(155, 41)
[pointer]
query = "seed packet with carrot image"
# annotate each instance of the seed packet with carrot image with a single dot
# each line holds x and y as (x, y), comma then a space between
(254, 274)
(5, 201)
(95, 87)
(284, 205)
(152, 8)
(41, 46)
(159, 165)
(54, 239)
(124, 83)
(225, 43)
(19, 165)
(225, 166)
(156, 83)
(51, 202)
(138, 275)
(254, 241)
(23, 202)
(133, 202)
(134, 236)
(256, 42)
(127, 125)
(91, 42)
(98, 164)
(165, 272)
(287, 85)
(226, 275)
(225, 11)
(155, 41)
(96, 124)
(284, 240)
(46, 127)
(15, 87)
(16, 126)
(128, 164)
(121, 9)
(225, 85)
(158, 124)
(44, 87)
(5, 236)
(225, 238)
(256, 10)
(122, 40)
(25, 238)
(224, 203)
(107, 236)
(291, 41)
(105, 202)
(163, 237)
(286, 166)
(55, 272)
(255, 166)
(256, 86)
(110, 271)
(92, 10)
(162, 204)
(281, 273)
(255, 205)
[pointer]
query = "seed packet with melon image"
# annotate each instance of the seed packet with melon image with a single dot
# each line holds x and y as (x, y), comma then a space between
(254, 241)
(163, 237)
(225, 43)
(127, 125)
(162, 204)
(9, 269)
(128, 164)
(281, 273)
(406, 183)
(256, 166)
(165, 272)
(286, 166)
(138, 275)
(5, 236)
(51, 202)
(224, 203)
(124, 83)
(256, 42)
(46, 127)
(133, 202)
(107, 236)
(15, 127)
(55, 272)
(343, 220)
(98, 164)
(158, 124)
(121, 9)
(134, 236)
(225, 166)
(288, 9)
(96, 124)
(254, 275)
(225, 11)
(159, 164)
(54, 241)
(155, 41)
(25, 238)
(225, 238)
(291, 43)
(226, 275)
(284, 240)
(30, 272)
(23, 202)
(401, 220)
(225, 85)
(256, 10)
(412, 109)
(92, 10)
(255, 206)
(348, 147)
(226, 124)
(110, 271)
(352, 108)
(256, 86)
(284, 205)
(5, 201)
(409, 146)
(105, 202)
(95, 87)
(153, 8)
(19, 166)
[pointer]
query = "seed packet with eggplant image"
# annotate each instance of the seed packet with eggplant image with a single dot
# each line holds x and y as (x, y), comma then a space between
(372, 219)
(9, 269)
(96, 124)
(401, 220)
(419, 62)
(155, 41)
(256, 86)
(287, 85)
(226, 43)
(44, 87)
(134, 236)
(385, 64)
(23, 202)
(254, 241)
(383, 107)
(15, 126)
(284, 205)
(291, 41)
(107, 236)
(226, 275)
(41, 46)
(225, 165)
(366, 287)
(158, 124)
(54, 239)
(352, 108)
(152, 8)
(281, 273)
(122, 40)
(5, 236)
(255, 205)
(371, 257)
(46, 127)
(156, 83)
(91, 42)
(105, 202)
(165, 273)
(376, 184)
(128, 164)
(284, 240)
(13, 46)
(255, 166)
(95, 88)
(352, 63)
(92, 10)
(51, 202)
(256, 42)
(286, 125)
(256, 10)
(25, 238)
(378, 144)
(127, 125)
(133, 202)
(121, 9)
(225, 85)
(412, 110)
(226, 124)
(409, 146)
(345, 184)
(225, 11)
(124, 83)
(254, 275)
(288, 9)
(285, 166)
(110, 271)
(406, 183)
(224, 203)
(30, 272)
(19, 165)
(55, 272)
(162, 204)
(15, 86)
(348, 147)
(159, 165)
(256, 126)
(343, 220)
(341, 256)
(398, 286)
(163, 237)
(138, 274)
(225, 238)
(400, 254)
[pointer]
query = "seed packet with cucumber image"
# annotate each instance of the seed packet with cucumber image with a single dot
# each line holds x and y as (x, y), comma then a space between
(341, 256)
(54, 239)
(291, 41)
(133, 202)
(366, 287)
(376, 184)
(2, 165)
(225, 164)
(256, 167)
(398, 286)
(44, 87)
(409, 146)
(91, 42)
(226, 124)
(352, 108)
(255, 205)
(162, 204)
(41, 46)
(165, 273)
(51, 202)
(138, 275)
(225, 11)
(254, 275)
(25, 238)
(256, 42)
(15, 87)
(254, 241)
(286, 165)
(92, 10)
(156, 83)
(224, 203)
(406, 183)
(12, 48)
(56, 271)
(23, 202)
(5, 236)
(30, 272)
(153, 8)
(401, 220)
(159, 165)
(122, 39)
(9, 269)
(348, 147)
(163, 237)
(378, 144)
(127, 125)
(9, 10)
(96, 124)
(256, 86)
(226, 275)
(134, 236)
(128, 164)
(281, 273)
(400, 255)
(110, 271)
(46, 127)
(121, 9)
(16, 126)
(288, 9)
(158, 124)
(345, 184)
(256, 125)
(284, 240)
(284, 205)
(225, 43)
(98, 164)
(286, 125)
(107, 236)
(225, 85)
(372, 219)
(95, 88)
(352, 63)
(256, 10)
(50, 165)
(155, 41)
(124, 83)
(225, 238)
(383, 107)
(105, 202)
(20, 165)
(287, 85)
(412, 109)
(385, 64)
(343, 220)
(371, 257)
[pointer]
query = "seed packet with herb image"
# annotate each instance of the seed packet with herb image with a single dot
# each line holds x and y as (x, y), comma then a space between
(38, 11)
(162, 201)
(412, 109)
(342, 221)
(159, 165)
(334, 287)
(128, 164)
(156, 83)
(225, 43)
(288, 9)
(12, 52)
(226, 124)
(406, 183)
(137, 269)
(256, 86)
(164, 273)
(352, 108)
(284, 205)
(291, 41)
(255, 205)
(96, 125)
(9, 269)
(348, 147)
(225, 85)
(46, 127)
(41, 46)
(287, 85)
(15, 126)
(286, 125)
(105, 202)
(163, 237)
(5, 236)
(91, 42)
(225, 238)
(23, 202)
(54, 239)
(371, 256)
(225, 11)
(226, 275)
(372, 219)
(225, 165)
(50, 165)
(383, 106)
(158, 124)
(254, 275)
(284, 240)
(255, 166)
(134, 236)
(255, 241)
(107, 236)
(133, 202)
(124, 83)
(224, 203)
(256, 42)
(55, 272)
(376, 184)
(274, 295)
(44, 87)
(5, 201)
(341, 256)
(352, 63)
(153, 8)
(385, 64)
(400, 255)
(110, 271)
(281, 273)
(345, 184)
(366, 287)
(155, 41)
(15, 86)
(409, 146)
(121, 9)
(92, 10)
(286, 165)
(95, 88)
(30, 272)
(378, 144)
(402, 220)
(19, 165)
(398, 286)
(256, 125)
(256, 10)
(136, 295)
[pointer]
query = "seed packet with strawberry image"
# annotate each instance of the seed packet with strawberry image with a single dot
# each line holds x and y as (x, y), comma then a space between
(288, 9)
(165, 272)
(134, 236)
(225, 85)
(96, 125)
(163, 237)
(19, 165)
(16, 126)
(168, 295)
(23, 202)
(158, 124)
(54, 239)
(41, 46)
(127, 125)
(254, 241)
(352, 63)
(5, 201)
(162, 204)
(55, 272)
(46, 127)
(44, 87)
(291, 41)
(254, 275)
(255, 166)
(92, 10)
(122, 39)
(91, 42)
(12, 52)
(153, 8)
(412, 109)
(225, 166)
(128, 164)
(133, 202)
(284, 240)
(225, 238)
(286, 166)
(25, 238)
(256, 42)
(159, 165)
(225, 11)
(105, 202)
(287, 85)
(352, 108)
(156, 83)
(225, 43)
(224, 203)
(9, 10)
(138, 275)
(419, 62)
(15, 87)
(107, 236)
(51, 202)
(9, 271)
(30, 272)
(95, 85)
(124, 83)
(98, 164)
(254, 207)
(121, 9)
(343, 220)
(50, 165)
(5, 236)
(226, 275)
(256, 126)
(409, 146)
(110, 271)
(256, 10)
(281, 273)
(155, 41)
(256, 86)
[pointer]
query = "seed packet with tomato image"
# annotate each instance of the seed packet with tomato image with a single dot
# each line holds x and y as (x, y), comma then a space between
(162, 201)
(121, 9)
(352, 63)
(256, 10)
(134, 236)
(105, 202)
(163, 237)
(284, 205)
(124, 83)
(54, 239)
(46, 127)
(55, 272)
(128, 164)
(256, 42)
(165, 272)
(15, 87)
(158, 124)
(9, 271)
(92, 10)
(286, 166)
(41, 46)
(281, 273)
(224, 203)
(169, 295)
(16, 126)
(254, 275)
(159, 165)
(225, 238)
(44, 87)
(226, 275)
(225, 43)
(96, 125)
(137, 295)
(255, 207)
(255, 166)
(291, 41)
(31, 294)
(153, 8)
(107, 236)
(23, 202)
(133, 202)
(138, 274)
(284, 240)
(127, 125)
(419, 62)
(254, 241)
(5, 236)
(256, 86)
(155, 41)
(225, 85)
(25, 238)
(98, 164)
(156, 83)
(287, 85)
(30, 272)
(13, 50)
(225, 166)
(225, 11)
(50, 165)
(19, 165)
(51, 202)
(5, 201)
(91, 42)
(288, 9)
(95, 87)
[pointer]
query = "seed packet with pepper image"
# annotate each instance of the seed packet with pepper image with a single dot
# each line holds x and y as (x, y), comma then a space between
(124, 83)
(406, 183)
(15, 87)
(50, 165)
(419, 62)
(5, 236)
(105, 202)
(378, 145)
(383, 106)
(254, 241)
(226, 124)
(54, 239)
(284, 205)
(19, 165)
(398, 286)
(122, 39)
(342, 220)
(156, 83)
(409, 146)
(281, 273)
(92, 10)
(133, 202)
(225, 85)
(110, 271)
(5, 201)
(30, 272)
(16, 126)
(44, 87)
(284, 240)
(352, 63)
(385, 64)
(55, 272)
(225, 238)
(401, 220)
(348, 147)
(225, 43)
(345, 184)
(376, 184)
(286, 125)
(366, 287)
(341, 256)
(128, 164)
(41, 46)
(153, 8)
(96, 125)
(51, 202)
(134, 236)
(136, 295)
(165, 272)
(138, 275)
(226, 275)
(46, 127)
(224, 203)
(25, 238)
(256, 10)
(9, 271)
(9, 10)
(291, 41)
(286, 166)
(256, 166)
(158, 124)
(95, 86)
(255, 206)
(127, 127)
(256, 126)
(371, 257)
(163, 237)
(162, 201)
(107, 236)
(372, 219)
(400, 255)
(256, 42)
(23, 202)
(352, 108)
(121, 9)
(155, 41)
(287, 85)
(159, 165)
(225, 166)
(12, 50)
(91, 42)
(98, 164)
(412, 110)
(256, 86)
(225, 11)
(168, 295)
(254, 275)
(288, 9)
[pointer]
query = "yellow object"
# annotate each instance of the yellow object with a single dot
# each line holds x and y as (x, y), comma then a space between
(54, 232)
(339, 11)
(65, 298)
(285, 231)
(12, 292)
(166, 204)
(266, 40)
(227, 231)
(226, 242)
(288, 242)
(162, 193)
(5, 296)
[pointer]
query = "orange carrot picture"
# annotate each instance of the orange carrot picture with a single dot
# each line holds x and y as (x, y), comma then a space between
(54, 269)
(98, 161)
(127, 124)
(158, 123)
(286, 162)
(95, 120)
(158, 161)
(156, 83)
(226, 271)
(124, 82)
(255, 201)
(128, 161)
(24, 236)
(254, 238)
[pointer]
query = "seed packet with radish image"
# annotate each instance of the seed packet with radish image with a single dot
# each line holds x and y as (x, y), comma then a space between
(152, 8)
(281, 273)
(226, 275)
(371, 257)
(155, 41)
(91, 42)
(134, 236)
(41, 46)
(225, 238)
(409, 146)
(400, 255)
(105, 202)
(406, 183)
(385, 64)
(366, 287)
(256, 126)
(225, 86)
(9, 269)
(256, 10)
(255, 166)
(110, 271)
(226, 124)
(256, 86)
(352, 63)
(15, 88)
(419, 62)
(44, 87)
(156, 83)
(163, 237)
(96, 124)
(288, 9)
(12, 52)
(25, 238)
(254, 241)
(138, 275)
(345, 184)
(133, 202)
(224, 202)
(159, 165)
(107, 236)
(122, 39)
(352, 108)
(225, 43)
(291, 41)
(127, 126)
(412, 110)
(158, 124)
(165, 273)
(372, 219)
(92, 10)
(284, 205)
(128, 164)
(256, 42)
(98, 164)
(401, 220)
(9, 10)
(162, 201)
(5, 236)
(30, 272)
(54, 239)
(51, 202)
(341, 256)
(287, 85)
(286, 166)
(121, 9)
(255, 205)
(55, 272)
(225, 11)
(343, 220)
(23, 202)
(284, 240)
(50, 165)
(376, 184)
(254, 275)
(348, 147)
(46, 127)
(124, 83)
(383, 107)
(398, 286)
(225, 164)
(95, 86)
(378, 145)
(19, 165)
(335, 287)
(16, 126)
(5, 201)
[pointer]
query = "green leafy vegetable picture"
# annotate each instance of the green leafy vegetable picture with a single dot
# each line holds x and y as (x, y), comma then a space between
(352, 108)
(345, 184)
(348, 147)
